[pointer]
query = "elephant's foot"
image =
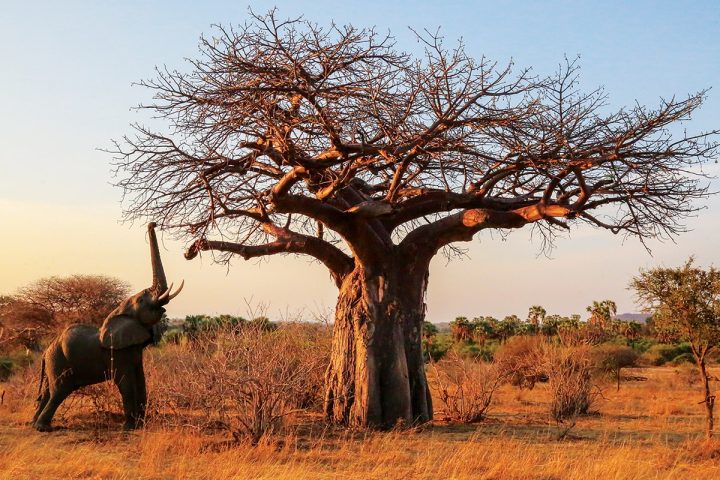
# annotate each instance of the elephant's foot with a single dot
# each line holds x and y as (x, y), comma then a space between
(43, 427)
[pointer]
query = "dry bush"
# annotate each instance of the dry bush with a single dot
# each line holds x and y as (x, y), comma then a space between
(570, 373)
(46, 306)
(21, 388)
(526, 360)
(465, 387)
(521, 358)
(243, 379)
(101, 401)
(687, 374)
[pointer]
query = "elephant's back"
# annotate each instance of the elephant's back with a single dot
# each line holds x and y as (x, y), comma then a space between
(79, 332)
(79, 341)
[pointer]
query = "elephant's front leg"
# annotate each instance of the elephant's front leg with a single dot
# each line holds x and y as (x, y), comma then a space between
(127, 384)
(141, 393)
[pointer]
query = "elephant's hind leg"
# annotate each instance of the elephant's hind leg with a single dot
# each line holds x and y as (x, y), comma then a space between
(57, 395)
(42, 402)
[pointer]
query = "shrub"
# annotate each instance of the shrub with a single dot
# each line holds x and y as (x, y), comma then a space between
(101, 401)
(21, 388)
(661, 353)
(438, 346)
(569, 370)
(473, 351)
(609, 360)
(6, 368)
(683, 358)
(244, 379)
(465, 387)
(519, 358)
(687, 374)
(641, 345)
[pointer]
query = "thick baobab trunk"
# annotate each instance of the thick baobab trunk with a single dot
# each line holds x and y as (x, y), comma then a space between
(376, 376)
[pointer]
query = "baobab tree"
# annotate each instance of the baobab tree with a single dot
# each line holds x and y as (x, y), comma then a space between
(284, 137)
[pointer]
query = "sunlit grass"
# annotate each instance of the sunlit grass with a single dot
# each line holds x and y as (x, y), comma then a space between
(647, 430)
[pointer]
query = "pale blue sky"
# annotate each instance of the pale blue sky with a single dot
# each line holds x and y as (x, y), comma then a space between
(65, 87)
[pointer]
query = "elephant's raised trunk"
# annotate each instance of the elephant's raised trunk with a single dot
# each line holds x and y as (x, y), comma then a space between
(159, 284)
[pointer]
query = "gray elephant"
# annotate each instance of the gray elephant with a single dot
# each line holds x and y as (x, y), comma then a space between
(83, 355)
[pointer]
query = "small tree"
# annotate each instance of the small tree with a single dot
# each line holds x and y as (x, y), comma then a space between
(611, 359)
(550, 325)
(686, 300)
(429, 332)
(49, 304)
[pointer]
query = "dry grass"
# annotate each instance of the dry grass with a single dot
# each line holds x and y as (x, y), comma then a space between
(647, 430)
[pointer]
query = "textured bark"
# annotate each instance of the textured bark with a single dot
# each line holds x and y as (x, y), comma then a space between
(709, 398)
(376, 377)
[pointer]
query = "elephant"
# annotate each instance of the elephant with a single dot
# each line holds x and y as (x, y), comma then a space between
(85, 355)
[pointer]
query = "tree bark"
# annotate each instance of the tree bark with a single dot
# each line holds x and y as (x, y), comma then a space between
(376, 376)
(709, 398)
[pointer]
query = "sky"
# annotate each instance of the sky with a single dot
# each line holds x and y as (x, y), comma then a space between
(66, 89)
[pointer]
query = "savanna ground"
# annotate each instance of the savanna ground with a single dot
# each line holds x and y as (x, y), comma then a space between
(650, 429)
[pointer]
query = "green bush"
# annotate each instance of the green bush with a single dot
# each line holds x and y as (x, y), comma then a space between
(438, 346)
(661, 353)
(683, 358)
(6, 368)
(473, 351)
(641, 345)
(175, 336)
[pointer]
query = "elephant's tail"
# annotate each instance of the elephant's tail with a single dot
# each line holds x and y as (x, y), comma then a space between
(42, 378)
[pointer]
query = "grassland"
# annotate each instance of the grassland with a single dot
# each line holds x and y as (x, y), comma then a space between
(648, 430)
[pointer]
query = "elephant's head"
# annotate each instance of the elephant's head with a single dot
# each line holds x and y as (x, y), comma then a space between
(131, 322)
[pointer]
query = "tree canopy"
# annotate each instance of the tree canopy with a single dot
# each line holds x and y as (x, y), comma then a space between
(49, 304)
(686, 301)
(281, 130)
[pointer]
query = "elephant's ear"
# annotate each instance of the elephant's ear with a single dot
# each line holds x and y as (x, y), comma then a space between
(121, 331)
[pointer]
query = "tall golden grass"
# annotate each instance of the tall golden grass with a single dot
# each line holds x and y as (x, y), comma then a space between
(648, 430)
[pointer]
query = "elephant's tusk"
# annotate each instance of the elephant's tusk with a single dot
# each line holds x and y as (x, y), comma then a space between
(164, 296)
(173, 295)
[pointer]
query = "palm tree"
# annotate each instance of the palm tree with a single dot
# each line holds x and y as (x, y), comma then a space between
(602, 313)
(536, 314)
(461, 329)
